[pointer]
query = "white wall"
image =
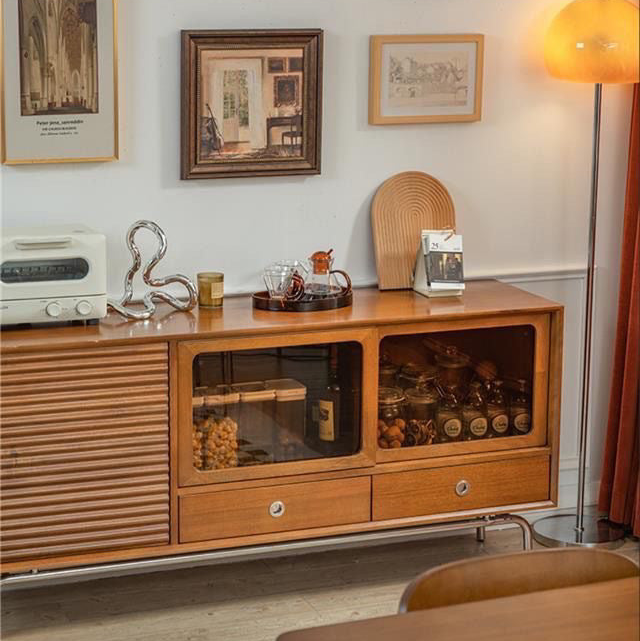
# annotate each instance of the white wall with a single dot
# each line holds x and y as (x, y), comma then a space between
(519, 178)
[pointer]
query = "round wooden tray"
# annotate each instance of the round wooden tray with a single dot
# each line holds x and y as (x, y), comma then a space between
(403, 206)
(262, 300)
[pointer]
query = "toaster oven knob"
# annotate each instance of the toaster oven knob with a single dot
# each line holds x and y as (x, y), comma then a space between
(53, 309)
(84, 308)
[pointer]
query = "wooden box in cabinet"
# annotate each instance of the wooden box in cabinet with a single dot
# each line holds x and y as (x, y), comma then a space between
(461, 487)
(85, 451)
(278, 508)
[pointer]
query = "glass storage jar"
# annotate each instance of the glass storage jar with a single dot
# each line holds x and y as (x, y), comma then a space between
(421, 412)
(453, 366)
(218, 427)
(256, 428)
(412, 375)
(290, 415)
(387, 375)
(391, 417)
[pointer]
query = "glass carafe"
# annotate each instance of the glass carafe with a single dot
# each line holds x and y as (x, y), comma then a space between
(520, 410)
(497, 410)
(319, 280)
(474, 413)
(449, 416)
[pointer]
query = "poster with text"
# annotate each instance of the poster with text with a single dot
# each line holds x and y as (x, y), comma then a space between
(60, 81)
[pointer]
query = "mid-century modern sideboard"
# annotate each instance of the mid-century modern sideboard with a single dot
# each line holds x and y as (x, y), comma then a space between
(209, 430)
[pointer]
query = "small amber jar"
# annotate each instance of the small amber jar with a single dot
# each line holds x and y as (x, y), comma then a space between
(210, 289)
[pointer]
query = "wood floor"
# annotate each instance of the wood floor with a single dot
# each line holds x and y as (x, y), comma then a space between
(252, 601)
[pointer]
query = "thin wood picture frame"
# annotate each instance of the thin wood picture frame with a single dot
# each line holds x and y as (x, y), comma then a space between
(231, 126)
(54, 122)
(417, 79)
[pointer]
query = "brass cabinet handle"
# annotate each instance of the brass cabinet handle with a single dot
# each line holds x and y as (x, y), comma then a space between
(276, 509)
(463, 487)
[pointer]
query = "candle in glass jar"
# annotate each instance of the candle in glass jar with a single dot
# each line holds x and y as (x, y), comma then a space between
(210, 289)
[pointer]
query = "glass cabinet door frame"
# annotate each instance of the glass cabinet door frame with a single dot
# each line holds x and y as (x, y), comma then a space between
(188, 350)
(537, 437)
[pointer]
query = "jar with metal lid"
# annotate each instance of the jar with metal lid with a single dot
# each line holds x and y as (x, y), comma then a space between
(391, 417)
(412, 375)
(453, 366)
(387, 374)
(421, 412)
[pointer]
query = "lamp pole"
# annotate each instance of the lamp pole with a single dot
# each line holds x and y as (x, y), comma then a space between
(568, 529)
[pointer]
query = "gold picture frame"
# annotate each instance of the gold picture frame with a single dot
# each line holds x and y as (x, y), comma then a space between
(425, 78)
(55, 111)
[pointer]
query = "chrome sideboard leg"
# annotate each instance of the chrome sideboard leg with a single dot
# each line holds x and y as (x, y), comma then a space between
(480, 534)
(527, 532)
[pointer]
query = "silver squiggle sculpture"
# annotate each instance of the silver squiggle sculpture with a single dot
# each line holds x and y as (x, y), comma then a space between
(121, 306)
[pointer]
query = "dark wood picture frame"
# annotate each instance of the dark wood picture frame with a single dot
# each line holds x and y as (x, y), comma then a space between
(307, 159)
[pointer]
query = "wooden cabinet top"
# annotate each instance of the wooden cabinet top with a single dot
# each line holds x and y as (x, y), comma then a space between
(238, 318)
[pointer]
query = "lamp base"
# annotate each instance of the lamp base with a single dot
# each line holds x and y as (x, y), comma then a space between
(560, 531)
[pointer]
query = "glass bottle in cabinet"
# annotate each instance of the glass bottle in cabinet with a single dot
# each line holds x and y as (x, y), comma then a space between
(474, 413)
(329, 405)
(449, 416)
(497, 410)
(520, 410)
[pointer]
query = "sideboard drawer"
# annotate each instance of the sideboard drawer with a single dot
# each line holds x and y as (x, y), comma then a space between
(279, 508)
(458, 488)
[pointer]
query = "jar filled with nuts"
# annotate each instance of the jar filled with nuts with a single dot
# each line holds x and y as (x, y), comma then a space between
(392, 422)
(219, 429)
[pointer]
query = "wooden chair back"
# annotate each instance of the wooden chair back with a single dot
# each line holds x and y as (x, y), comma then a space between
(504, 575)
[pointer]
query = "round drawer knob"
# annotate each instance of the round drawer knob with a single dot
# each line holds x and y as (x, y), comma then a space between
(276, 509)
(463, 487)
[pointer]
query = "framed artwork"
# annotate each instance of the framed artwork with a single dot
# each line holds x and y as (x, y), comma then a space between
(239, 117)
(424, 79)
(276, 65)
(59, 81)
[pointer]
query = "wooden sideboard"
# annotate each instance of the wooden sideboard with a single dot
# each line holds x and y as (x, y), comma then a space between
(97, 428)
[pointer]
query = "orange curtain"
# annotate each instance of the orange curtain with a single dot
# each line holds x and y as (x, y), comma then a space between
(619, 488)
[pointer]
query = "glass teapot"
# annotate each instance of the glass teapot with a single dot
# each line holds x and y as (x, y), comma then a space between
(321, 280)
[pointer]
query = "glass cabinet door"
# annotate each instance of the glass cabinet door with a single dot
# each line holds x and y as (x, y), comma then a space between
(252, 409)
(464, 390)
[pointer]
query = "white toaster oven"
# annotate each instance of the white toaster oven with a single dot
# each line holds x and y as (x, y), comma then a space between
(53, 273)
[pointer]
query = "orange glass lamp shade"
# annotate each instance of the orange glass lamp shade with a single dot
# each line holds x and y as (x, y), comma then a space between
(594, 41)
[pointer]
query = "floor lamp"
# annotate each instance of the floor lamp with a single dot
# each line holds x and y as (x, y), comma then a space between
(594, 41)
